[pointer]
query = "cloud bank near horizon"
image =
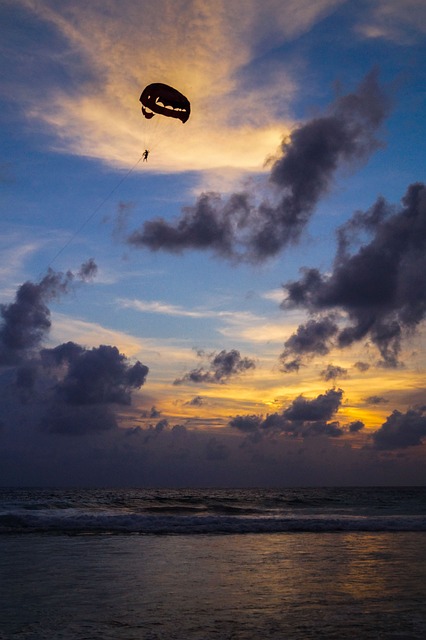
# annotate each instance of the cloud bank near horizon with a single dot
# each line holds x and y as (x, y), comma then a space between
(74, 390)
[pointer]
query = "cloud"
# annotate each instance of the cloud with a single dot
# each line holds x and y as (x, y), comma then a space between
(153, 413)
(153, 432)
(156, 306)
(216, 450)
(242, 228)
(322, 428)
(107, 52)
(361, 366)
(402, 430)
(77, 420)
(380, 285)
(247, 424)
(15, 248)
(26, 376)
(221, 367)
(74, 391)
(235, 324)
(332, 372)
(376, 400)
(356, 426)
(26, 321)
(303, 418)
(68, 389)
(100, 375)
(323, 407)
(88, 270)
(196, 401)
(310, 338)
(401, 22)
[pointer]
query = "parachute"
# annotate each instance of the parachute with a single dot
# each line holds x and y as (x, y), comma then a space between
(158, 98)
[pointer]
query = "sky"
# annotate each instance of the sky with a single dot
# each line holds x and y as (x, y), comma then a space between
(247, 307)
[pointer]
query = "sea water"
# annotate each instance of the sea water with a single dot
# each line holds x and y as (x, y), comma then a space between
(193, 564)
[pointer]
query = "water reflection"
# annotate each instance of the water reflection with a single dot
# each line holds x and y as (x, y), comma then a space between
(298, 586)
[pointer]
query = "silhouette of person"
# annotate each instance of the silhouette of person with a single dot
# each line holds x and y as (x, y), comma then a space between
(145, 155)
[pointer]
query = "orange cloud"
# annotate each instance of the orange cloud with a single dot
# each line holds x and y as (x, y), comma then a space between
(201, 48)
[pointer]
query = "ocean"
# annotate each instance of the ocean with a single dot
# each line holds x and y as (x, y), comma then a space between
(148, 564)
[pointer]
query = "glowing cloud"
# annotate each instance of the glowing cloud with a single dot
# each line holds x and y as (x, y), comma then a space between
(205, 49)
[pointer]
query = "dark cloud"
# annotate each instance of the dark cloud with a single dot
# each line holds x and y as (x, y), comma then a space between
(310, 338)
(26, 321)
(154, 431)
(362, 366)
(152, 413)
(332, 372)
(355, 426)
(207, 225)
(322, 428)
(196, 401)
(69, 389)
(381, 285)
(290, 366)
(246, 423)
(66, 353)
(323, 407)
(241, 227)
(303, 418)
(221, 368)
(77, 420)
(94, 381)
(101, 375)
(25, 382)
(375, 400)
(85, 384)
(402, 430)
(180, 431)
(216, 450)
(88, 270)
(277, 422)
(26, 377)
(161, 425)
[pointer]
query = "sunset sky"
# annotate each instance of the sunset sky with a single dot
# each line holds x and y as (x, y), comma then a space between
(247, 307)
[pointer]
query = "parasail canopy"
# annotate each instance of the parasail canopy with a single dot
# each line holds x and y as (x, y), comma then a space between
(159, 98)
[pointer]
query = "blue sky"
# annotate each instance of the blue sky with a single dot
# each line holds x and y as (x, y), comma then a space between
(302, 115)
